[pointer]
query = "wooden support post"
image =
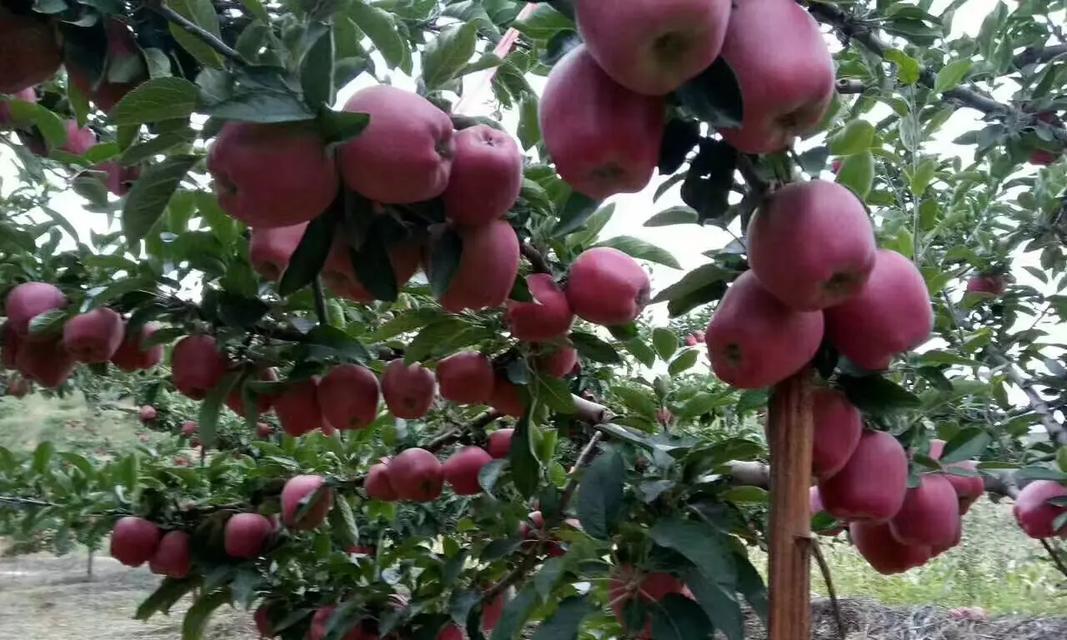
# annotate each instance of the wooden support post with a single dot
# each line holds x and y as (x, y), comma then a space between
(789, 430)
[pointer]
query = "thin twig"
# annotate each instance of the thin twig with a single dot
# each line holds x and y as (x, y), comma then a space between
(1038, 54)
(824, 569)
(320, 302)
(1055, 556)
(536, 258)
(191, 27)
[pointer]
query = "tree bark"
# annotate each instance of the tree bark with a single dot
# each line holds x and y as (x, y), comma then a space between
(790, 430)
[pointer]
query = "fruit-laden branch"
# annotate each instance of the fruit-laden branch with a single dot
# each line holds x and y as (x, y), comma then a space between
(1056, 431)
(188, 25)
(1039, 54)
(852, 28)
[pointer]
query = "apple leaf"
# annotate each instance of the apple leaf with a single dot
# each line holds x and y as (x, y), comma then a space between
(714, 96)
(576, 210)
(564, 623)
(674, 215)
(677, 617)
(310, 255)
(600, 495)
(877, 395)
(448, 53)
(966, 444)
(155, 101)
(150, 194)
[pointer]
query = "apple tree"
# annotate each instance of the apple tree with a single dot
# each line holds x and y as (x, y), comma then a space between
(356, 252)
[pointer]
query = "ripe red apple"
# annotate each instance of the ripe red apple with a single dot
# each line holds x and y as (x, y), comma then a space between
(492, 611)
(340, 277)
(559, 363)
(132, 355)
(122, 50)
(9, 345)
(405, 153)
(147, 413)
(756, 341)
(692, 341)
(1034, 513)
(883, 552)
(298, 408)
(811, 245)
(548, 317)
(486, 176)
(785, 94)
(872, 484)
(263, 623)
(296, 491)
(321, 620)
(930, 514)
(264, 430)
(26, 95)
(28, 300)
(31, 53)
(487, 268)
(235, 398)
(119, 179)
(272, 175)
(246, 535)
(506, 399)
(450, 632)
(462, 468)
(466, 378)
(416, 474)
(45, 362)
(93, 337)
(197, 365)
(607, 287)
(499, 446)
(408, 390)
(650, 47)
(968, 488)
(629, 584)
(890, 315)
(134, 541)
(990, 285)
(378, 484)
(79, 139)
(269, 249)
(816, 507)
(348, 396)
(172, 557)
(189, 429)
(664, 416)
(582, 114)
(838, 427)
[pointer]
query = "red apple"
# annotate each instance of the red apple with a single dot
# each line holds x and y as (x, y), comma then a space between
(31, 53)
(172, 558)
(607, 287)
(298, 408)
(269, 249)
(348, 396)
(968, 488)
(890, 315)
(533, 529)
(404, 154)
(487, 268)
(246, 535)
(756, 341)
(462, 468)
(235, 398)
(486, 176)
(506, 399)
(296, 492)
(492, 611)
(147, 413)
(548, 317)
(321, 620)
(28, 300)
(1034, 513)
(811, 245)
(117, 178)
(189, 429)
(559, 363)
(340, 277)
(93, 337)
(197, 366)
(883, 552)
(583, 112)
(988, 286)
(785, 94)
(122, 50)
(466, 378)
(450, 632)
(272, 175)
(930, 514)
(408, 389)
(263, 623)
(838, 427)
(872, 484)
(79, 139)
(132, 355)
(499, 446)
(264, 430)
(45, 362)
(416, 475)
(134, 541)
(378, 485)
(630, 584)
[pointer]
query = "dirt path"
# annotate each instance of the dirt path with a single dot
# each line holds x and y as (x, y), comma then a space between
(43, 597)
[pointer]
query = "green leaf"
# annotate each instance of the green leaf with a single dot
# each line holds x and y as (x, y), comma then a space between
(641, 351)
(700, 543)
(749, 495)
(719, 604)
(857, 173)
(576, 211)
(379, 26)
(162, 143)
(593, 348)
(127, 471)
(922, 176)
(856, 137)
(674, 215)
(908, 68)
(641, 250)
(310, 255)
(877, 395)
(685, 360)
(208, 417)
(48, 323)
(449, 52)
(338, 127)
(516, 612)
(343, 523)
(637, 399)
(327, 341)
(665, 342)
(197, 616)
(544, 23)
(529, 129)
(699, 404)
(374, 269)
(564, 623)
(967, 444)
(525, 467)
(445, 253)
(51, 126)
(677, 617)
(150, 194)
(155, 101)
(168, 592)
(555, 393)
(952, 74)
(202, 13)
(600, 494)
(42, 456)
(316, 72)
(714, 96)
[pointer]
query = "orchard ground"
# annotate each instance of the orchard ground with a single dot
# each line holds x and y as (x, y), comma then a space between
(995, 568)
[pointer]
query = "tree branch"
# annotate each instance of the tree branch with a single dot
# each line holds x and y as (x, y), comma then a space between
(536, 258)
(1056, 431)
(1038, 54)
(191, 27)
(1055, 556)
(824, 569)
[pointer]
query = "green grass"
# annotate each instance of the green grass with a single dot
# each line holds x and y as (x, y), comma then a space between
(69, 423)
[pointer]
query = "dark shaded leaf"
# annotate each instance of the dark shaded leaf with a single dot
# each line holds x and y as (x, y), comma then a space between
(150, 194)
(714, 96)
(600, 494)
